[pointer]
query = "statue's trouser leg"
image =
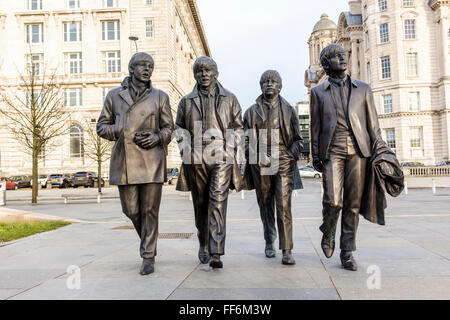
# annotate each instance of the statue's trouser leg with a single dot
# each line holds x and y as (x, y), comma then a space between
(284, 183)
(219, 184)
(265, 195)
(355, 169)
(141, 204)
(198, 176)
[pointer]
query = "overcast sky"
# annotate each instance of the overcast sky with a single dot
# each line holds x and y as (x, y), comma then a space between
(247, 37)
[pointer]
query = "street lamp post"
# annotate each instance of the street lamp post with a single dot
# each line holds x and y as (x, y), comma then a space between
(135, 39)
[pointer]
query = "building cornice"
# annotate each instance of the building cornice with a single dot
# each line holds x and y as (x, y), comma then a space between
(70, 12)
(199, 25)
(434, 4)
(413, 114)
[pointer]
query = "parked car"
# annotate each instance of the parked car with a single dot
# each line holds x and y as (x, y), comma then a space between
(86, 179)
(10, 185)
(172, 175)
(61, 180)
(21, 181)
(309, 172)
(42, 179)
(411, 164)
(444, 163)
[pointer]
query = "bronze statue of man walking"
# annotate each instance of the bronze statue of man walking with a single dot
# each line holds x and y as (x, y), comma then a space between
(138, 118)
(209, 110)
(275, 174)
(344, 127)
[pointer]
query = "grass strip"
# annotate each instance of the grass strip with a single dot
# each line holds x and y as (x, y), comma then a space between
(15, 230)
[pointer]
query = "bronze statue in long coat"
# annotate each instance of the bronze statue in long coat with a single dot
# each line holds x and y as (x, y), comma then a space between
(138, 118)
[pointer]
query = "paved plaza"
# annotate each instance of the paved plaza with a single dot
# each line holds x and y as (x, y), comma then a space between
(409, 258)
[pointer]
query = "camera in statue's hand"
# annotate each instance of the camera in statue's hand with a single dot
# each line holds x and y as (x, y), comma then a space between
(146, 139)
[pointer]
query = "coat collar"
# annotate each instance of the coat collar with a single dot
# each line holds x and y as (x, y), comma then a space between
(260, 111)
(194, 93)
(326, 83)
(125, 93)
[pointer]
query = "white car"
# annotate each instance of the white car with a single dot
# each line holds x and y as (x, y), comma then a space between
(309, 172)
(42, 179)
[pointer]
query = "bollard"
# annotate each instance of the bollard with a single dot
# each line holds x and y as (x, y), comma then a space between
(321, 184)
(2, 193)
(98, 198)
(433, 186)
(190, 196)
(242, 195)
(406, 187)
(295, 193)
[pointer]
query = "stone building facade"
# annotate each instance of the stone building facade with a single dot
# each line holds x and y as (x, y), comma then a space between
(400, 47)
(88, 42)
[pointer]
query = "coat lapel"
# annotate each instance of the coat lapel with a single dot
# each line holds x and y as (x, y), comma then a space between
(259, 109)
(125, 94)
(286, 118)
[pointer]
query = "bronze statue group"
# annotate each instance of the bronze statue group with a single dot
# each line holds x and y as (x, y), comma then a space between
(358, 168)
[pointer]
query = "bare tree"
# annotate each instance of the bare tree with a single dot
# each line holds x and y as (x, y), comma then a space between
(96, 148)
(35, 113)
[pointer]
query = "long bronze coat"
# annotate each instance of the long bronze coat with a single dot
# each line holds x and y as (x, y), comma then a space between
(362, 116)
(255, 119)
(229, 114)
(120, 119)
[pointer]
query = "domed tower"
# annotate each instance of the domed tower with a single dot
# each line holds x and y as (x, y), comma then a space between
(324, 33)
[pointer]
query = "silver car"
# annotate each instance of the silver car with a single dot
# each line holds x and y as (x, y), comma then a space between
(308, 172)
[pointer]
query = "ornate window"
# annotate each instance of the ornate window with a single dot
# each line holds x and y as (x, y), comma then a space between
(34, 4)
(73, 4)
(109, 3)
(149, 28)
(411, 64)
(415, 137)
(410, 29)
(382, 4)
(76, 148)
(110, 30)
(384, 33)
(387, 103)
(408, 3)
(35, 61)
(413, 101)
(386, 67)
(73, 97)
(35, 33)
(72, 31)
(111, 61)
(73, 63)
(390, 138)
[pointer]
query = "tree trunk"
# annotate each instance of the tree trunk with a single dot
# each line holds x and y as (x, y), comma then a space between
(99, 175)
(35, 186)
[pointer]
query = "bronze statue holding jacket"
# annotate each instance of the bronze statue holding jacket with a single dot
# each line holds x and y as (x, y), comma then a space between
(344, 127)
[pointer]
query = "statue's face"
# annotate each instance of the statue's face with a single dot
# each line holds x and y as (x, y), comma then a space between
(143, 70)
(338, 62)
(205, 75)
(271, 87)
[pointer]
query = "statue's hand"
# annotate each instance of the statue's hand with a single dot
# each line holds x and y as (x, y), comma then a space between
(146, 139)
(317, 164)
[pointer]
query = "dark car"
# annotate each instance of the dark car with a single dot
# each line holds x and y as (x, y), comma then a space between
(412, 164)
(86, 179)
(172, 175)
(21, 181)
(444, 163)
(61, 180)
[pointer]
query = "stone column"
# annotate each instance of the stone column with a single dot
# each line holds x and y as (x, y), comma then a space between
(444, 40)
(354, 71)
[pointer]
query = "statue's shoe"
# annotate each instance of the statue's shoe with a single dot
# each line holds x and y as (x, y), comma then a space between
(269, 250)
(203, 255)
(348, 262)
(288, 258)
(148, 266)
(215, 262)
(328, 244)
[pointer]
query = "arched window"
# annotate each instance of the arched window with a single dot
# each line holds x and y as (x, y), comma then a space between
(76, 148)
